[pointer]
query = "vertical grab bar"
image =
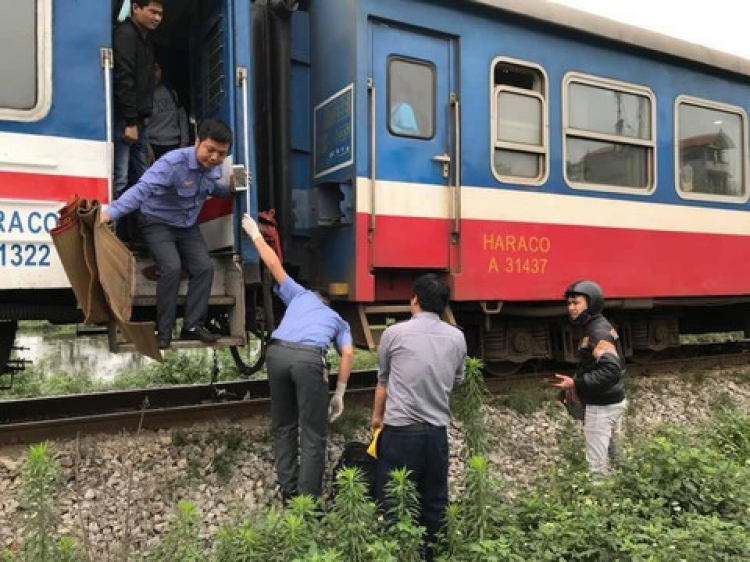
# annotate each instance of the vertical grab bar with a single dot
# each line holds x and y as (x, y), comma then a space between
(371, 92)
(242, 83)
(456, 169)
(106, 60)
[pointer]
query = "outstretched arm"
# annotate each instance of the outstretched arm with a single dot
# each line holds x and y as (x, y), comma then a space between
(336, 406)
(265, 251)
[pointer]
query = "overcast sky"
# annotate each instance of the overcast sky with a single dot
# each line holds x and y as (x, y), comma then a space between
(718, 24)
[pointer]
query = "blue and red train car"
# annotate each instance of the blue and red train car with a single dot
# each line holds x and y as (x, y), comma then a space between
(512, 146)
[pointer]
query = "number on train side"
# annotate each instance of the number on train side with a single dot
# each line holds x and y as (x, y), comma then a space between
(24, 255)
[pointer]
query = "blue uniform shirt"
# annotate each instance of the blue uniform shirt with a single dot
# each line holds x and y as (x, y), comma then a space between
(173, 190)
(308, 320)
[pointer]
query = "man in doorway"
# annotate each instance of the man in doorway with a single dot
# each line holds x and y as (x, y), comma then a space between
(297, 375)
(169, 196)
(133, 88)
(420, 361)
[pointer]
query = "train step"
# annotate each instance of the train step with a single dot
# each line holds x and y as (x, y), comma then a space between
(227, 299)
(227, 341)
(368, 322)
(214, 300)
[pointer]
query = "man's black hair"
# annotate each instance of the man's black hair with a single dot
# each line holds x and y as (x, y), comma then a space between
(432, 293)
(145, 3)
(215, 130)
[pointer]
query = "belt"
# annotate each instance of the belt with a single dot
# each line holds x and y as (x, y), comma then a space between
(412, 428)
(298, 346)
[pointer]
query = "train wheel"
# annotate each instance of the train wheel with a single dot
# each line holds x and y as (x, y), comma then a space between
(250, 358)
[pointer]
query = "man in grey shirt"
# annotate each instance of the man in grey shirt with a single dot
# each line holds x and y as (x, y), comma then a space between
(420, 362)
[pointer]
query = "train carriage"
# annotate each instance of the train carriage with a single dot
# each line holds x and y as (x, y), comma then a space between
(512, 146)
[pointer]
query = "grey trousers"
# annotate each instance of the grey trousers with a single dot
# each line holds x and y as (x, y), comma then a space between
(299, 417)
(173, 250)
(601, 429)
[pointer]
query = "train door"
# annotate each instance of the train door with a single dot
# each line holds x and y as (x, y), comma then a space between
(220, 55)
(412, 80)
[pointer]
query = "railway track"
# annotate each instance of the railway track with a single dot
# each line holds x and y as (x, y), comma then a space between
(35, 419)
(23, 421)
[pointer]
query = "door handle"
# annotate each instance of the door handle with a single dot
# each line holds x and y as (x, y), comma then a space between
(445, 160)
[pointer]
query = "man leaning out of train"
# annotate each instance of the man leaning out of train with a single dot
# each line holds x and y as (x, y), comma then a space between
(169, 196)
(598, 376)
(297, 376)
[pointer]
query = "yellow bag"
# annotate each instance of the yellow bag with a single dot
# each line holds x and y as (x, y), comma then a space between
(372, 450)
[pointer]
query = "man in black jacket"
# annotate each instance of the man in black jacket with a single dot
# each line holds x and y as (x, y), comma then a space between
(598, 376)
(133, 90)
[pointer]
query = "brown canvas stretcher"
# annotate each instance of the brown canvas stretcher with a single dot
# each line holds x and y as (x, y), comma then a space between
(101, 271)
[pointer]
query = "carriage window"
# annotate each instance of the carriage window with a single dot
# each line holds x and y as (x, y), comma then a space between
(411, 98)
(711, 152)
(609, 138)
(24, 42)
(18, 55)
(519, 122)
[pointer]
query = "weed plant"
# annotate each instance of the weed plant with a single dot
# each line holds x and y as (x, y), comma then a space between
(467, 405)
(181, 541)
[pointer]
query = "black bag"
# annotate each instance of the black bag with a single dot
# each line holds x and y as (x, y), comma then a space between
(355, 455)
(572, 402)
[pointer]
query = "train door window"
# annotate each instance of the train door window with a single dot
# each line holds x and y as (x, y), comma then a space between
(609, 135)
(411, 98)
(519, 122)
(711, 152)
(25, 32)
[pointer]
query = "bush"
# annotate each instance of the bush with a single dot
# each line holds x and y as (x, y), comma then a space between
(684, 476)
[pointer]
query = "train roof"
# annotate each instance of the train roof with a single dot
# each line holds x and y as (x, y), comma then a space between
(558, 14)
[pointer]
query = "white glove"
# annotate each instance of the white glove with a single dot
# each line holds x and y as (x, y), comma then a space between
(250, 227)
(336, 407)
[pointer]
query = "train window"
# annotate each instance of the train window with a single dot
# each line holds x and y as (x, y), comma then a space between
(24, 52)
(519, 122)
(710, 161)
(411, 98)
(609, 135)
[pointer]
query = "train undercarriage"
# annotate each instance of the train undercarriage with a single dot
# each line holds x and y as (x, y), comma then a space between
(508, 335)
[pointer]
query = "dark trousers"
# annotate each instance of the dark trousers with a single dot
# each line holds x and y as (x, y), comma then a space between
(130, 163)
(424, 451)
(130, 159)
(161, 149)
(173, 250)
(299, 417)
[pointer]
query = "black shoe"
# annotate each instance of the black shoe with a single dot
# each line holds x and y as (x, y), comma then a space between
(164, 342)
(199, 333)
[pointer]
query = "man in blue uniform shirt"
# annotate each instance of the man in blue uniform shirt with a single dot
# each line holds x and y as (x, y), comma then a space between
(297, 376)
(170, 196)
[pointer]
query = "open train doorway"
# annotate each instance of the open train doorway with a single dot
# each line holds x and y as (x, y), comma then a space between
(202, 50)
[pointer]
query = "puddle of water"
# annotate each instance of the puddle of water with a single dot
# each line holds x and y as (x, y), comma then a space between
(79, 355)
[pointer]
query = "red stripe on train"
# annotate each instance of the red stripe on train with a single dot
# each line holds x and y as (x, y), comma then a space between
(44, 187)
(514, 261)
(216, 208)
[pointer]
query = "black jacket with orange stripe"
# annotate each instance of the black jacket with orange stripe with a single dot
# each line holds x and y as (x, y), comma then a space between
(599, 381)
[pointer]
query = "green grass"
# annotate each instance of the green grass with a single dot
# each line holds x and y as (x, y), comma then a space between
(526, 397)
(44, 328)
(714, 337)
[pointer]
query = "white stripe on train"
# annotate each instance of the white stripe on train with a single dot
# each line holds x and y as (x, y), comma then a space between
(497, 204)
